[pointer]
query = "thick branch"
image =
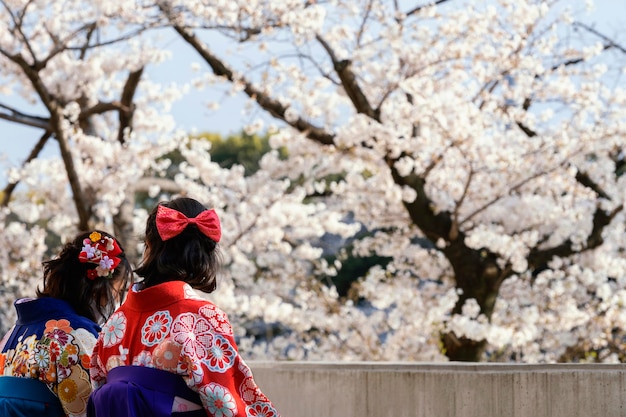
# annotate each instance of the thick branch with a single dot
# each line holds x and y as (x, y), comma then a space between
(56, 118)
(269, 104)
(584, 179)
(13, 115)
(539, 258)
(434, 225)
(476, 271)
(343, 68)
(82, 208)
(33, 76)
(101, 107)
(126, 112)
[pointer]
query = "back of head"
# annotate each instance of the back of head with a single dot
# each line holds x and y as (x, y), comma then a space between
(181, 245)
(88, 274)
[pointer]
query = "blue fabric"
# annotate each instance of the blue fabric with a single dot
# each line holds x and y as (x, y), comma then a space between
(25, 397)
(21, 394)
(32, 315)
(133, 391)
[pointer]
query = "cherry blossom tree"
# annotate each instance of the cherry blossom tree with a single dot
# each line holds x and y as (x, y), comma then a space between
(495, 132)
(478, 148)
(72, 70)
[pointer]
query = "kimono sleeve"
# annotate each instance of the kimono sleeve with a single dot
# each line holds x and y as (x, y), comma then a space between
(5, 339)
(219, 373)
(97, 371)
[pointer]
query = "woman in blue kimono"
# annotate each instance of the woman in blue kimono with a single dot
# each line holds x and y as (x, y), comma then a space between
(44, 359)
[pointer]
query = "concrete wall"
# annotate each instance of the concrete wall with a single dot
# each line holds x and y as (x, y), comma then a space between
(323, 389)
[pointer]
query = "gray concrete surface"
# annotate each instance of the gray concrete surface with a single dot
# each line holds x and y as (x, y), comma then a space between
(324, 389)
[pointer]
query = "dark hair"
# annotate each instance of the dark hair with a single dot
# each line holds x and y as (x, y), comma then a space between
(65, 278)
(190, 256)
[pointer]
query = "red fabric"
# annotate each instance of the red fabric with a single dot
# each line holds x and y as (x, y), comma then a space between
(169, 327)
(172, 222)
(102, 251)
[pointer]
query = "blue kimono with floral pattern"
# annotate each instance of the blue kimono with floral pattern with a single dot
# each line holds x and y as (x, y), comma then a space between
(44, 360)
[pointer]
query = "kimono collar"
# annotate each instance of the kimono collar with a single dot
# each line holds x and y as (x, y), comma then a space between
(35, 310)
(158, 296)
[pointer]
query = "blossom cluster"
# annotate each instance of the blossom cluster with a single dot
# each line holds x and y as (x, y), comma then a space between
(485, 115)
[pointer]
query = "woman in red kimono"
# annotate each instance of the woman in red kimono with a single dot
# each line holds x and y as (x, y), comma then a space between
(44, 359)
(166, 351)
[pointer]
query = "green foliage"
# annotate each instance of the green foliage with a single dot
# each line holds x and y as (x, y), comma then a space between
(242, 149)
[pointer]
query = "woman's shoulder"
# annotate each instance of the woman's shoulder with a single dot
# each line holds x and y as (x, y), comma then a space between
(72, 324)
(53, 313)
(80, 322)
(199, 310)
(198, 305)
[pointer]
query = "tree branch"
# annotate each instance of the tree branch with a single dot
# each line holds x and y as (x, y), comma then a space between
(82, 208)
(423, 6)
(13, 115)
(17, 22)
(165, 184)
(454, 229)
(350, 85)
(127, 109)
(539, 258)
(56, 117)
(368, 10)
(610, 43)
(269, 104)
(584, 179)
(8, 190)
(433, 225)
(101, 107)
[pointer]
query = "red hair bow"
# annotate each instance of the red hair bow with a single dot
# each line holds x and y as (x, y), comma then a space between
(170, 223)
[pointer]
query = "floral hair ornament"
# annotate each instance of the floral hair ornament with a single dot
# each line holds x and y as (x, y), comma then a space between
(102, 251)
(170, 223)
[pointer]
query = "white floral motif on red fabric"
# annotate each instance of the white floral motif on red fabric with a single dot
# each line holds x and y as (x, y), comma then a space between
(221, 355)
(261, 409)
(97, 371)
(156, 328)
(244, 368)
(191, 294)
(217, 318)
(250, 392)
(193, 333)
(219, 401)
(248, 389)
(114, 329)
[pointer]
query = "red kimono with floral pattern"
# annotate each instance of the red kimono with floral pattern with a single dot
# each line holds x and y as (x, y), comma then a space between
(170, 328)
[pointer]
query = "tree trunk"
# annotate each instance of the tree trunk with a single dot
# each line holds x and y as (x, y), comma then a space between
(476, 271)
(478, 276)
(123, 227)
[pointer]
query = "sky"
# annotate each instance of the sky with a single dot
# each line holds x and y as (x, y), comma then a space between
(191, 112)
